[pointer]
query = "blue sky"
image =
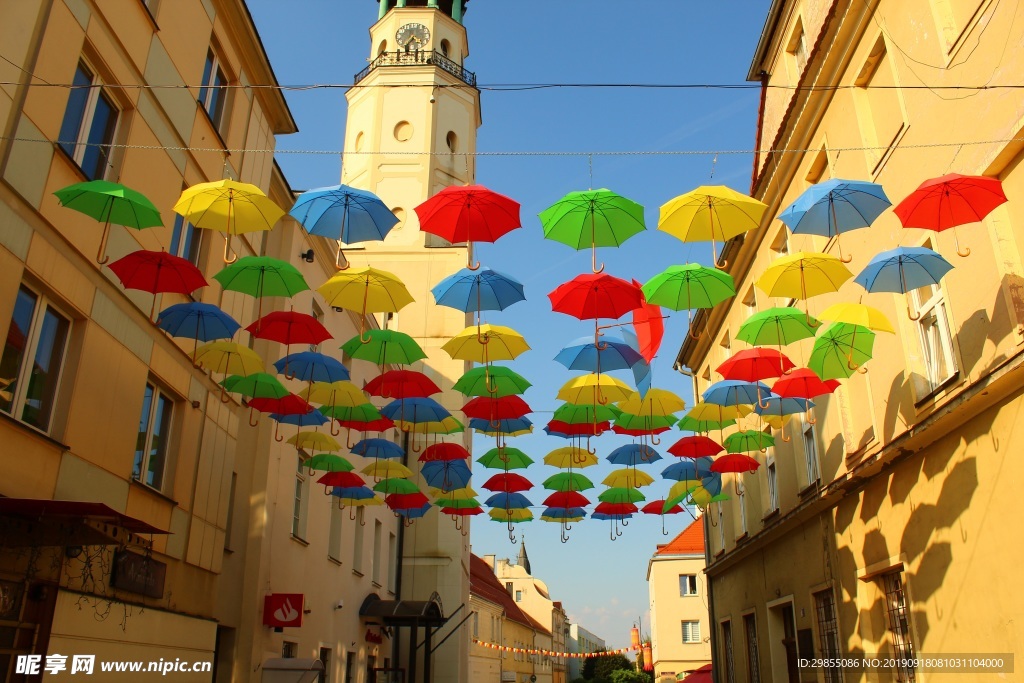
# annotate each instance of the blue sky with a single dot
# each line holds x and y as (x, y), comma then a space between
(601, 583)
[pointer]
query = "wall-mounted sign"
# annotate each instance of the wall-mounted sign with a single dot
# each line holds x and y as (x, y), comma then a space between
(138, 574)
(283, 610)
(374, 636)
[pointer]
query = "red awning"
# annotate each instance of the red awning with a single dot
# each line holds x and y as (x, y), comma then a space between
(31, 521)
(701, 675)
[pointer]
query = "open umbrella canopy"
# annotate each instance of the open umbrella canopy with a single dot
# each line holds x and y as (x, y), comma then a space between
(566, 499)
(483, 290)
(378, 448)
(688, 470)
(508, 482)
(734, 393)
(228, 206)
(342, 393)
(748, 441)
(508, 501)
(404, 502)
(289, 327)
(564, 430)
(386, 469)
(695, 447)
(839, 349)
(315, 441)
(505, 458)
(402, 384)
(384, 347)
(689, 423)
(614, 354)
(572, 413)
(108, 203)
(629, 478)
(621, 495)
(858, 314)
(803, 383)
(803, 275)
(594, 388)
(366, 290)
(328, 462)
(632, 455)
(364, 413)
(286, 405)
(710, 213)
(229, 358)
(493, 409)
(781, 407)
(262, 276)
(835, 206)
(395, 485)
(563, 515)
(903, 269)
(255, 385)
(516, 426)
(568, 481)
(658, 507)
(777, 327)
(468, 213)
(511, 515)
(644, 424)
(344, 213)
(689, 286)
(310, 366)
(196, 320)
(444, 451)
(157, 272)
(446, 475)
(341, 478)
(592, 218)
(311, 418)
(657, 402)
(615, 512)
(486, 343)
(570, 456)
(495, 381)
(355, 496)
(415, 410)
(949, 201)
(751, 365)
(596, 295)
(680, 490)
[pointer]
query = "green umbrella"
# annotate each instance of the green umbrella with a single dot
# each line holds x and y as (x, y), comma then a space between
(839, 349)
(385, 346)
(328, 462)
(748, 441)
(457, 503)
(681, 491)
(261, 276)
(568, 481)
(571, 413)
(366, 412)
(689, 424)
(688, 287)
(256, 385)
(621, 495)
(110, 203)
(505, 458)
(644, 422)
(395, 485)
(777, 327)
(594, 218)
(497, 381)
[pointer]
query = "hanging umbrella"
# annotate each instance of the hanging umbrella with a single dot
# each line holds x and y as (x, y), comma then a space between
(632, 455)
(648, 328)
(255, 385)
(508, 501)
(570, 456)
(688, 470)
(230, 207)
(566, 499)
(516, 426)
(444, 451)
(620, 495)
(596, 295)
(659, 507)
(341, 393)
(355, 496)
(406, 501)
(362, 419)
(386, 469)
(629, 478)
(344, 214)
(718, 413)
(485, 344)
(657, 402)
(328, 462)
(198, 321)
(612, 354)
(415, 410)
(902, 270)
(380, 449)
(695, 447)
(777, 410)
(839, 349)
(365, 290)
(565, 430)
(469, 213)
(505, 458)
(950, 201)
(446, 474)
(342, 479)
(736, 393)
(858, 314)
(395, 485)
(384, 347)
(614, 511)
(803, 383)
(286, 405)
(568, 481)
(110, 203)
(310, 366)
(710, 213)
(289, 327)
(311, 418)
(228, 358)
(835, 206)
(593, 388)
(494, 409)
(157, 272)
(262, 276)
(411, 513)
(314, 441)
(509, 483)
(748, 441)
(777, 327)
(448, 425)
(644, 424)
(495, 381)
(563, 515)
(692, 424)
(803, 275)
(573, 413)
(402, 384)
(751, 365)
(594, 218)
(484, 290)
(456, 497)
(688, 287)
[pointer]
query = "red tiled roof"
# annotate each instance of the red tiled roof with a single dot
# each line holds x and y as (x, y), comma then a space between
(485, 584)
(689, 542)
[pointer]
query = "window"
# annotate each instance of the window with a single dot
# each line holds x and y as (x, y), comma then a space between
(90, 122)
(828, 633)
(476, 625)
(289, 650)
(687, 584)
(392, 561)
(350, 660)
(318, 314)
(899, 624)
(334, 533)
(816, 172)
(357, 541)
(231, 512)
(375, 567)
(325, 659)
(750, 302)
(213, 94)
(721, 525)
(154, 433)
(811, 454)
(301, 501)
(753, 660)
(33, 358)
(730, 667)
(780, 245)
(773, 484)
(797, 50)
(691, 631)
(519, 596)
(185, 240)
(742, 495)
(936, 340)
(880, 110)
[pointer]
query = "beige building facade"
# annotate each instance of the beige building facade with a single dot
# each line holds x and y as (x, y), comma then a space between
(863, 532)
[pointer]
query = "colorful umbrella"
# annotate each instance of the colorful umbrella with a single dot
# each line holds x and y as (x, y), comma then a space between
(446, 474)
(311, 418)
(692, 424)
(657, 402)
(949, 201)
(834, 206)
(568, 481)
(341, 393)
(563, 515)
(286, 405)
(689, 286)
(803, 275)
(748, 441)
(494, 409)
(484, 290)
(695, 447)
(710, 214)
(629, 478)
(486, 343)
(505, 458)
(496, 381)
(228, 358)
(516, 426)
(566, 499)
(687, 470)
(230, 207)
(396, 485)
(328, 462)
(314, 441)
(596, 295)
(198, 321)
(858, 314)
(402, 384)
(777, 327)
(344, 214)
(289, 327)
(468, 213)
(384, 347)
(751, 365)
(110, 203)
(310, 366)
(574, 413)
(593, 388)
(632, 455)
(611, 354)
(803, 383)
(255, 385)
(565, 430)
(444, 451)
(660, 507)
(621, 494)
(261, 276)
(386, 469)
(415, 410)
(570, 456)
(157, 272)
(508, 482)
(736, 393)
(594, 218)
(342, 479)
(649, 328)
(380, 449)
(839, 349)
(366, 290)
(902, 270)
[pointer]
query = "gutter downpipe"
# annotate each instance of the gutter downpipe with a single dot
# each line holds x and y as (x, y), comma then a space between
(396, 639)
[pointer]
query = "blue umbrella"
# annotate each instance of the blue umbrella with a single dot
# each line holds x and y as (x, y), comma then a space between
(684, 470)
(641, 369)
(446, 475)
(835, 206)
(414, 513)
(605, 516)
(632, 455)
(198, 321)
(731, 392)
(582, 354)
(776, 405)
(378, 448)
(563, 514)
(509, 426)
(903, 269)
(483, 290)
(313, 418)
(353, 492)
(344, 213)
(712, 483)
(508, 501)
(415, 410)
(310, 366)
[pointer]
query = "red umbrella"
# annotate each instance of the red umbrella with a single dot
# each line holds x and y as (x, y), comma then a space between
(406, 501)
(381, 424)
(948, 201)
(734, 462)
(287, 405)
(444, 451)
(343, 479)
(695, 447)
(469, 213)
(701, 675)
(596, 295)
(639, 432)
(803, 383)
(616, 508)
(752, 365)
(402, 384)
(657, 507)
(509, 482)
(289, 327)
(583, 429)
(650, 330)
(462, 512)
(157, 272)
(566, 499)
(494, 409)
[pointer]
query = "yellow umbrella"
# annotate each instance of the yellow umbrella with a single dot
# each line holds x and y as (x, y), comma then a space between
(386, 469)
(448, 425)
(341, 393)
(710, 213)
(230, 207)
(715, 413)
(315, 441)
(657, 402)
(570, 456)
(680, 490)
(858, 314)
(629, 478)
(464, 493)
(776, 421)
(511, 516)
(594, 388)
(803, 275)
(701, 497)
(366, 290)
(492, 342)
(229, 358)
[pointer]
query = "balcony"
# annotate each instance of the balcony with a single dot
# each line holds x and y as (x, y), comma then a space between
(418, 58)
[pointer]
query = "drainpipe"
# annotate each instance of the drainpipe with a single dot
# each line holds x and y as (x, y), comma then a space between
(396, 637)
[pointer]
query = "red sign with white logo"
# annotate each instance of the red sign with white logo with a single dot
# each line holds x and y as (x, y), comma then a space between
(283, 610)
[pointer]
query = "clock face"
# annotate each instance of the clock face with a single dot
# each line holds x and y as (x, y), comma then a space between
(413, 36)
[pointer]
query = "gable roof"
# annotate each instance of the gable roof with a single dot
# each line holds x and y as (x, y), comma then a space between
(689, 542)
(484, 584)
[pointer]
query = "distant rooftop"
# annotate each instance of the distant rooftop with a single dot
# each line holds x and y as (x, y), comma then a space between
(689, 542)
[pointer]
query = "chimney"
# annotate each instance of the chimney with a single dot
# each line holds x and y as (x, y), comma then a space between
(489, 559)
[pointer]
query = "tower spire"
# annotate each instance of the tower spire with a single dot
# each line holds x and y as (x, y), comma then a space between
(523, 560)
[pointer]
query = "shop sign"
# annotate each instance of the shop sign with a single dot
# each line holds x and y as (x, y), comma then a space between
(138, 574)
(283, 610)
(374, 636)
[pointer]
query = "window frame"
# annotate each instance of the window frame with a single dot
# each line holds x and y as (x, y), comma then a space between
(898, 616)
(796, 49)
(144, 464)
(812, 464)
(771, 472)
(727, 644)
(77, 150)
(753, 649)
(828, 627)
(691, 579)
(209, 90)
(741, 494)
(936, 304)
(300, 506)
(186, 241)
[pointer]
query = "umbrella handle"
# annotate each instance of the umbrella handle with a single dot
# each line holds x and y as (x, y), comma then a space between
(782, 433)
(811, 420)
(469, 256)
(101, 256)
(511, 534)
(229, 257)
(224, 398)
(351, 511)
(763, 406)
(912, 315)
(251, 423)
(563, 535)
(337, 261)
(663, 532)
(956, 241)
(592, 452)
(624, 522)
(593, 262)
(348, 440)
(810, 321)
(334, 433)
(655, 440)
(416, 448)
(277, 436)
(846, 259)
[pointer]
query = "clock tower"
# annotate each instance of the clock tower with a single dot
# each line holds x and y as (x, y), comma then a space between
(411, 131)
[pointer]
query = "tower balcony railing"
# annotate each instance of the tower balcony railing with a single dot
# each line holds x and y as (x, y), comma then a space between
(418, 58)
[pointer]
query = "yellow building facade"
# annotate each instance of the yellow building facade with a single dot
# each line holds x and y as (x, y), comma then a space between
(866, 531)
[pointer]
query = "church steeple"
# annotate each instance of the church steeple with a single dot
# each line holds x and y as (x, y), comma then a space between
(455, 9)
(523, 560)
